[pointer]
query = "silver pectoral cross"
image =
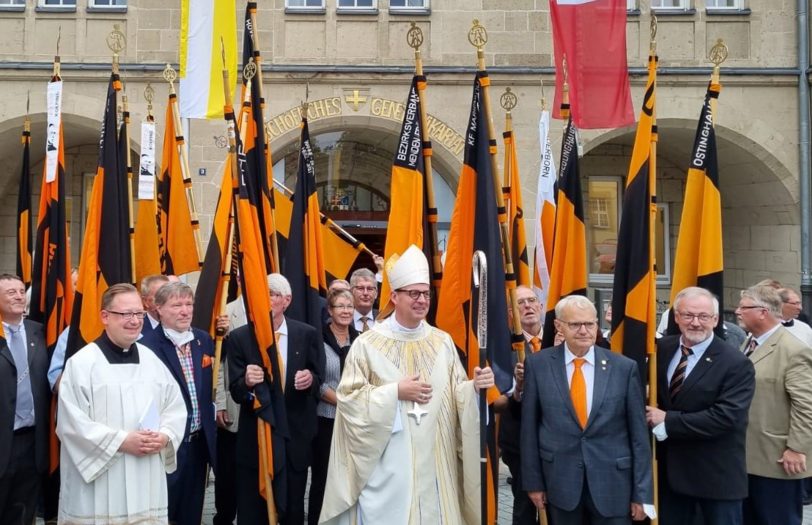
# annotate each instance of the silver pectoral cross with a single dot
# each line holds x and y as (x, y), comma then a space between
(417, 412)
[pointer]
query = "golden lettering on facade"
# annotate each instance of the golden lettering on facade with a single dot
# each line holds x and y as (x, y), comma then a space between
(440, 132)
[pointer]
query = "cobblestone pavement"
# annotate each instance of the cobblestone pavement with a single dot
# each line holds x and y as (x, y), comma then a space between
(505, 502)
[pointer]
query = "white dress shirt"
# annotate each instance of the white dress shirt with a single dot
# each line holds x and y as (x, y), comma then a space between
(587, 369)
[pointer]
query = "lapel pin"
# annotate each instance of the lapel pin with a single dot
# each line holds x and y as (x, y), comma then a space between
(709, 360)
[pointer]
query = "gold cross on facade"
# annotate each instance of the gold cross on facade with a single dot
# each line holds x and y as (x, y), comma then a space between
(355, 99)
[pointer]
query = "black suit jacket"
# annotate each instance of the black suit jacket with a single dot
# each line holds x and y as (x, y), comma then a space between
(201, 346)
(706, 422)
(305, 351)
(38, 370)
(510, 421)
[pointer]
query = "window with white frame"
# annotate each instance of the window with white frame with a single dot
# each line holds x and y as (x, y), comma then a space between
(304, 4)
(12, 2)
(409, 4)
(107, 3)
(357, 4)
(631, 5)
(670, 4)
(57, 3)
(724, 4)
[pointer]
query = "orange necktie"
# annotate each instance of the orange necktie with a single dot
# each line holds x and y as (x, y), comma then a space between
(535, 344)
(278, 336)
(578, 390)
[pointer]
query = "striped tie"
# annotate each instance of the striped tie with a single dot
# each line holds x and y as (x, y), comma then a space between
(678, 378)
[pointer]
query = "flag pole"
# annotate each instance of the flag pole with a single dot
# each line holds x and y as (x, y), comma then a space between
(249, 72)
(170, 75)
(129, 184)
(219, 334)
(261, 102)
(718, 54)
(414, 37)
(332, 224)
(478, 37)
(652, 275)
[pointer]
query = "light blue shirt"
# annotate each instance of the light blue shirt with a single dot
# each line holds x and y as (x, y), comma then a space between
(58, 359)
(587, 369)
(693, 359)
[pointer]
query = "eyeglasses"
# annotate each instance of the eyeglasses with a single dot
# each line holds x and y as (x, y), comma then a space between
(414, 295)
(702, 318)
(750, 307)
(365, 289)
(589, 325)
(129, 316)
(793, 303)
(529, 301)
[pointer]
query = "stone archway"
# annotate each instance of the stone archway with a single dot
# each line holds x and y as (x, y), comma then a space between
(760, 213)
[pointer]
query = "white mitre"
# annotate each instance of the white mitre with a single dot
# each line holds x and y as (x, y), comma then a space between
(410, 268)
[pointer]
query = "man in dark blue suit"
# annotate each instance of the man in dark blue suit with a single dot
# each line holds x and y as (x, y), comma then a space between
(584, 446)
(188, 353)
(704, 390)
(149, 287)
(301, 355)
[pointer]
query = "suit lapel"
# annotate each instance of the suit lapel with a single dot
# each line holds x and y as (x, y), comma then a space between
(768, 347)
(197, 363)
(171, 357)
(600, 380)
(34, 341)
(5, 351)
(293, 357)
(560, 378)
(702, 366)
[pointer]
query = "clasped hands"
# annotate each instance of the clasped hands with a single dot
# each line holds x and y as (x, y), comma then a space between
(254, 375)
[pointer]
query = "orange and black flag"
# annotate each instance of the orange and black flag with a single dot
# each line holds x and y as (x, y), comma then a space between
(178, 247)
(568, 275)
(475, 226)
(406, 206)
(147, 241)
(343, 249)
(217, 265)
(106, 257)
(269, 403)
(515, 208)
(24, 220)
(699, 257)
(257, 151)
(634, 310)
(304, 255)
(52, 286)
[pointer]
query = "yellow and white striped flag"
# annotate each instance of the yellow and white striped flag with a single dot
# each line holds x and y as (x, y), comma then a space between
(203, 24)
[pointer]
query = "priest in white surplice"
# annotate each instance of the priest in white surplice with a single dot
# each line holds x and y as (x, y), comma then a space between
(121, 420)
(406, 441)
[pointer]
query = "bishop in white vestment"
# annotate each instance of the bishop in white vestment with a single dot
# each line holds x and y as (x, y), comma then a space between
(406, 441)
(121, 419)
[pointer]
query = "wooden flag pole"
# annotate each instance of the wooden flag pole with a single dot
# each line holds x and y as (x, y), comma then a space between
(129, 186)
(478, 37)
(718, 54)
(170, 75)
(414, 37)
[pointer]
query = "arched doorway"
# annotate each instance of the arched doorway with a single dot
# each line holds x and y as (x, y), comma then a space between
(353, 170)
(760, 213)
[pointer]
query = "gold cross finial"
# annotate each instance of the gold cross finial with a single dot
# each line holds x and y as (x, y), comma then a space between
(478, 35)
(414, 36)
(508, 100)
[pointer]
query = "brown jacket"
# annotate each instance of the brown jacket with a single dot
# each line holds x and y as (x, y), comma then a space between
(781, 411)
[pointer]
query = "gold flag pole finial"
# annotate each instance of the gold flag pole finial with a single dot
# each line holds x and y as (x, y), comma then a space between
(717, 55)
(27, 121)
(170, 75)
(414, 37)
(149, 95)
(116, 42)
(478, 37)
(653, 34)
(508, 100)
(57, 65)
(306, 102)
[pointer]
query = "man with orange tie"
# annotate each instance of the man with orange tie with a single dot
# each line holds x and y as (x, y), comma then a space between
(524, 512)
(585, 450)
(301, 362)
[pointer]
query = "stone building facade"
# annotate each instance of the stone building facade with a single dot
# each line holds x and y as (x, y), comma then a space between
(351, 60)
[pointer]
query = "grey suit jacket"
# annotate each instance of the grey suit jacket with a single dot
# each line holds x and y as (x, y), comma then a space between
(781, 411)
(38, 372)
(612, 453)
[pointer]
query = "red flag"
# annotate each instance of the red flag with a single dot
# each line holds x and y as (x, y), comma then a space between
(592, 36)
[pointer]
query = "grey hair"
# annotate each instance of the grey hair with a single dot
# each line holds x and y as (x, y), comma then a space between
(696, 291)
(361, 273)
(277, 283)
(574, 301)
(765, 296)
(172, 289)
(149, 280)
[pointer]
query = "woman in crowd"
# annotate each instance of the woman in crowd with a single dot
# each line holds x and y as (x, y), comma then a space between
(339, 333)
